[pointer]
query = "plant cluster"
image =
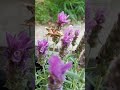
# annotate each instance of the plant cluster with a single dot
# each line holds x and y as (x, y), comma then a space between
(18, 76)
(54, 74)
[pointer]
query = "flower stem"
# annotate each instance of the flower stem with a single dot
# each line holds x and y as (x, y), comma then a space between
(44, 69)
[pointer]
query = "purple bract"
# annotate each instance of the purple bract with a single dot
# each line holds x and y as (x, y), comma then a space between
(62, 18)
(58, 68)
(68, 36)
(42, 46)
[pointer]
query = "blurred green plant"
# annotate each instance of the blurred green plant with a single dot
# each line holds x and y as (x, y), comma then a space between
(48, 10)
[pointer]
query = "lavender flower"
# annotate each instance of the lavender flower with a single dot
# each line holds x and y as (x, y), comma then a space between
(18, 46)
(57, 71)
(68, 36)
(66, 40)
(41, 51)
(62, 18)
(42, 46)
(77, 32)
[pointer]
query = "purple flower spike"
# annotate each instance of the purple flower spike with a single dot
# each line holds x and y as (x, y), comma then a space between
(77, 32)
(57, 67)
(62, 18)
(68, 36)
(18, 46)
(42, 46)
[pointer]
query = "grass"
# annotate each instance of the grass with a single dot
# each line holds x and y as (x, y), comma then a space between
(47, 11)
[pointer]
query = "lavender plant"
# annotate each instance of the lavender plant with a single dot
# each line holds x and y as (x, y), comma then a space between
(55, 75)
(57, 71)
(74, 79)
(19, 47)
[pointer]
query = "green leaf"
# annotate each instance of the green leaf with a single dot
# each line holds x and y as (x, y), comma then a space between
(72, 75)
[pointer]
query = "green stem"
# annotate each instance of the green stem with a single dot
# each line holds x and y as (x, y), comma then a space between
(44, 69)
(54, 47)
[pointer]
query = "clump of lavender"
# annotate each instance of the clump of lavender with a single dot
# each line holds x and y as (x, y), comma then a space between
(41, 50)
(62, 19)
(66, 40)
(18, 46)
(18, 53)
(57, 69)
(54, 29)
(77, 32)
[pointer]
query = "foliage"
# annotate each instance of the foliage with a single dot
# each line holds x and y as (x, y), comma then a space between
(75, 79)
(47, 10)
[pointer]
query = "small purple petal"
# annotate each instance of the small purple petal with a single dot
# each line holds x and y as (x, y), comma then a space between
(66, 67)
(10, 40)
